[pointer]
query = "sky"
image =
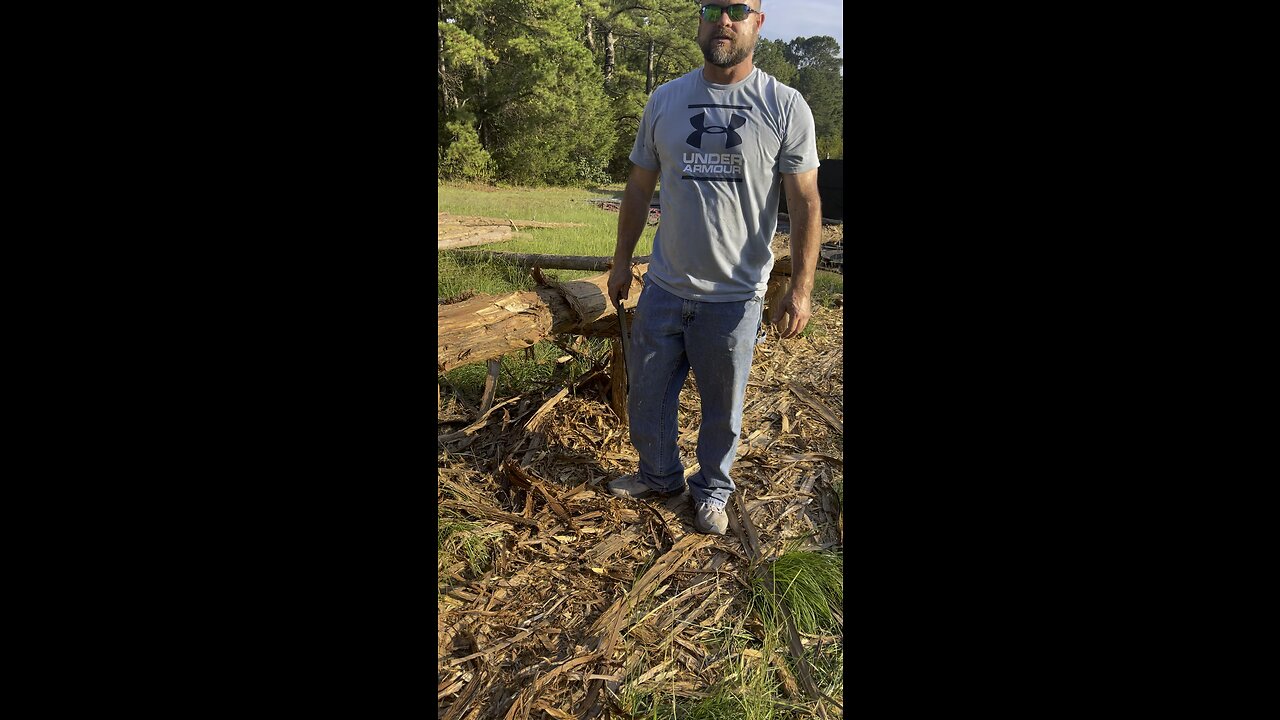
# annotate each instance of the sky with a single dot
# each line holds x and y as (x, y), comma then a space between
(789, 19)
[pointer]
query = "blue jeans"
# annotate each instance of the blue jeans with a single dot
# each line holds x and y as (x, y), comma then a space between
(669, 336)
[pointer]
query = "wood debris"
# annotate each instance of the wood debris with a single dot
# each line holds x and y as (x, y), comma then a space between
(585, 595)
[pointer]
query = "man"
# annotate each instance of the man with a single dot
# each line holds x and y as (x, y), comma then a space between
(720, 138)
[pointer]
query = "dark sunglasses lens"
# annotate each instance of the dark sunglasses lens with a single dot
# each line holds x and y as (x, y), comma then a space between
(711, 13)
(737, 13)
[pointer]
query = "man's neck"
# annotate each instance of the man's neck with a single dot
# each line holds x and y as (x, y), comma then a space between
(729, 75)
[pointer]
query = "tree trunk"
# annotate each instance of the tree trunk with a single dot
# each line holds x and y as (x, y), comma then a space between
(591, 34)
(648, 71)
(609, 40)
(488, 326)
(444, 85)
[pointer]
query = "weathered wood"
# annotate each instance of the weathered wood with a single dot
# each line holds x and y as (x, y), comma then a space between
(549, 262)
(618, 382)
(481, 236)
(490, 386)
(487, 326)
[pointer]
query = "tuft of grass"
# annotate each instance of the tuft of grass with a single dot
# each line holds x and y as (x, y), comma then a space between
(459, 540)
(807, 583)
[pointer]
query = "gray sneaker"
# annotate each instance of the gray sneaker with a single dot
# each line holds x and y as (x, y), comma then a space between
(630, 486)
(710, 521)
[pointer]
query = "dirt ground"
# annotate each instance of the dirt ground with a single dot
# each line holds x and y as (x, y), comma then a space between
(590, 596)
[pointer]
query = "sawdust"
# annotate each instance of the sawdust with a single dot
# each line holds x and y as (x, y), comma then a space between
(589, 593)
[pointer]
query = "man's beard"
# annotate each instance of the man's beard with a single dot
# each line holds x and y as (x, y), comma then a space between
(729, 54)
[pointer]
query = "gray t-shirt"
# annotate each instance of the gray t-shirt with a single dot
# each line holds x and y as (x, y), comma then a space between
(721, 150)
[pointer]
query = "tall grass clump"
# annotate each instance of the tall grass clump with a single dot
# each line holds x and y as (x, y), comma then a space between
(493, 277)
(807, 583)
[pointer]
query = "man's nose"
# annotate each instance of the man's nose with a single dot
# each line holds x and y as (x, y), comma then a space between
(724, 17)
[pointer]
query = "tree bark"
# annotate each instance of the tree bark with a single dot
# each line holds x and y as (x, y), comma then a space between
(648, 71)
(444, 84)
(609, 40)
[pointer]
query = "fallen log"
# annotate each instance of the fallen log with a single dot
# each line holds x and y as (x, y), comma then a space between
(489, 326)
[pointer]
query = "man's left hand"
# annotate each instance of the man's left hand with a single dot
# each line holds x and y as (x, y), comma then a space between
(791, 313)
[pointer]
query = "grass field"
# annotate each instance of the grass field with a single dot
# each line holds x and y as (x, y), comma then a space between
(546, 205)
(543, 205)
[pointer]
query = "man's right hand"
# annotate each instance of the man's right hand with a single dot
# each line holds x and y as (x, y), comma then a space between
(619, 283)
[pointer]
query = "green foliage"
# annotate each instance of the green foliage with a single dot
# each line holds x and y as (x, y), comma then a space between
(830, 147)
(806, 583)
(464, 158)
(771, 57)
(553, 90)
(820, 52)
(823, 90)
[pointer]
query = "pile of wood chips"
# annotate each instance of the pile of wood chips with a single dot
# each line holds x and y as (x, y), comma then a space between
(589, 593)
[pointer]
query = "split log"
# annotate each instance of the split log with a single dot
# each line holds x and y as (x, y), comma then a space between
(488, 326)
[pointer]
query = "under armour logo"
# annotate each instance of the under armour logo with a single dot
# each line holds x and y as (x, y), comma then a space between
(731, 138)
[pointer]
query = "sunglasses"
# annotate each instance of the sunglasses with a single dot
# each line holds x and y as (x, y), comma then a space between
(737, 13)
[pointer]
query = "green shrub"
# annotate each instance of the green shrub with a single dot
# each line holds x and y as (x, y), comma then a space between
(465, 158)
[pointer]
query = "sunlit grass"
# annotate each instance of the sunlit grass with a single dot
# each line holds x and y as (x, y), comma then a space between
(807, 583)
(567, 205)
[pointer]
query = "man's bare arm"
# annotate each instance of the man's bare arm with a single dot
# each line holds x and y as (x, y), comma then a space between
(631, 220)
(805, 209)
